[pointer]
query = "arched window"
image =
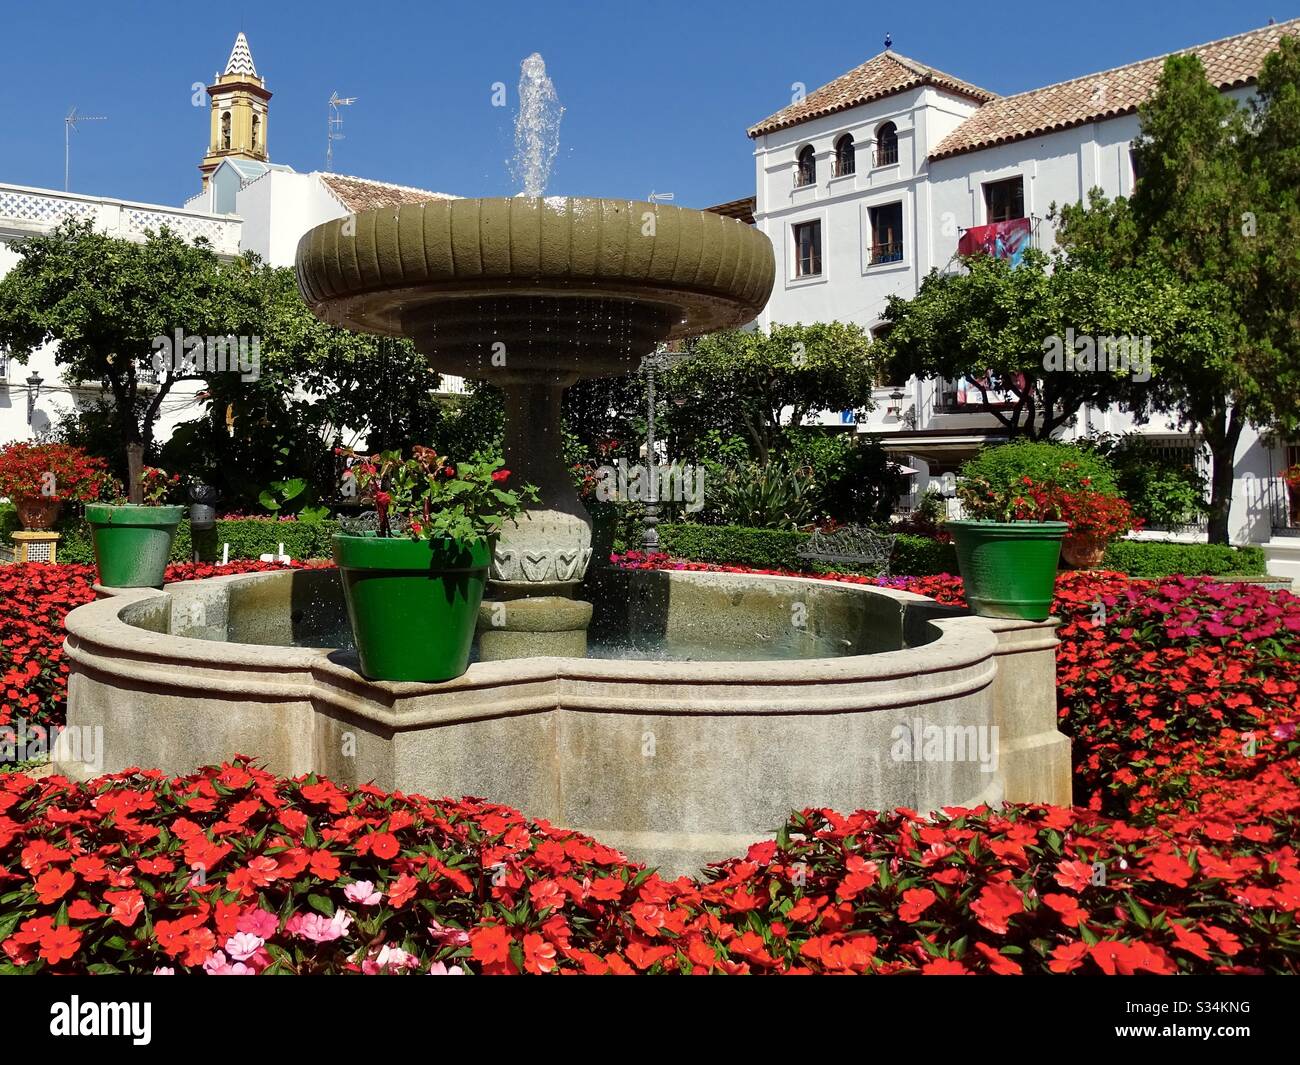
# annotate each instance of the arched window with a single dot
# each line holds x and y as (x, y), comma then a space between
(225, 131)
(887, 145)
(806, 174)
(257, 131)
(845, 161)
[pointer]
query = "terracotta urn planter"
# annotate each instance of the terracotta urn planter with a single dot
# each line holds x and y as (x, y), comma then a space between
(38, 513)
(1083, 550)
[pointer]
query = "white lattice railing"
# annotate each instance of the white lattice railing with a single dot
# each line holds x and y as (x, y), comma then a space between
(24, 211)
(451, 386)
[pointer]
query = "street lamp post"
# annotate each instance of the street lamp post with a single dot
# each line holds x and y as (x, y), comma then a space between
(34, 383)
(650, 535)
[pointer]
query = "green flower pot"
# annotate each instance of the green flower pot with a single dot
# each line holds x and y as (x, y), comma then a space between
(1008, 568)
(132, 543)
(413, 604)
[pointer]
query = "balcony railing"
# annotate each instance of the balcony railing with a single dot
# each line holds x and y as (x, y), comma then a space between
(887, 253)
(803, 178)
(843, 167)
(886, 156)
(25, 210)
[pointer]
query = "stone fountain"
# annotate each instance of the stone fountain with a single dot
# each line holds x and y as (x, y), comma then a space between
(532, 293)
(758, 694)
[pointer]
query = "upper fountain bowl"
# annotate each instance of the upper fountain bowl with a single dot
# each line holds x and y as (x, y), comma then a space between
(531, 286)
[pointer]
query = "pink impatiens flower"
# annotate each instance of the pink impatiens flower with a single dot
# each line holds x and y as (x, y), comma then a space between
(317, 928)
(217, 965)
(257, 922)
(164, 970)
(243, 945)
(457, 937)
(439, 968)
(388, 959)
(363, 893)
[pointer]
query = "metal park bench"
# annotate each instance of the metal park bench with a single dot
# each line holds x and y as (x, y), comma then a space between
(854, 545)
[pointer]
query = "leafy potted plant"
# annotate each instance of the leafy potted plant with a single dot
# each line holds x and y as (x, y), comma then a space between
(413, 584)
(133, 541)
(1008, 546)
(40, 478)
(1095, 519)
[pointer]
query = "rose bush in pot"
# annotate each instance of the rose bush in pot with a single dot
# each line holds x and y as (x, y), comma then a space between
(413, 583)
(40, 477)
(133, 541)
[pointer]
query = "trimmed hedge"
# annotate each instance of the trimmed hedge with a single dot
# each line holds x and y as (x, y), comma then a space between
(733, 545)
(921, 556)
(1165, 558)
(248, 538)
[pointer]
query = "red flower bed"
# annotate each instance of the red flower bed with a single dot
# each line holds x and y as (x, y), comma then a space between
(1181, 696)
(34, 600)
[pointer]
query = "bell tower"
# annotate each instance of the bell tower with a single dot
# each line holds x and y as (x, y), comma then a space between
(239, 111)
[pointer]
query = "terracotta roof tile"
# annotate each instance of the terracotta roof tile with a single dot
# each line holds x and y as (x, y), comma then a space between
(361, 194)
(882, 75)
(1229, 63)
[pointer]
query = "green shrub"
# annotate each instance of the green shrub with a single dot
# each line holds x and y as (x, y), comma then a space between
(1162, 490)
(248, 538)
(1064, 465)
(732, 545)
(1165, 558)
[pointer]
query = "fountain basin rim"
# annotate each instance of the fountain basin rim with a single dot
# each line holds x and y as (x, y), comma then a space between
(97, 633)
(363, 270)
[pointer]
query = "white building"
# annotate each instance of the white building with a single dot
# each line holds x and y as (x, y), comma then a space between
(247, 203)
(34, 397)
(867, 184)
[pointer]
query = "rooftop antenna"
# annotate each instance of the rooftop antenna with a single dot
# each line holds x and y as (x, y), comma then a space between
(69, 127)
(659, 197)
(335, 126)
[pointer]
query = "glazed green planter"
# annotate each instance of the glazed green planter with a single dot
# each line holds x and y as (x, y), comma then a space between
(132, 543)
(413, 604)
(1008, 568)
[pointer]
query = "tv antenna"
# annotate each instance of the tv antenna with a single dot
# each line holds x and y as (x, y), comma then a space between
(69, 127)
(335, 126)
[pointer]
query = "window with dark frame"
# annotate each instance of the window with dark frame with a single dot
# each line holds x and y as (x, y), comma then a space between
(887, 145)
(845, 156)
(808, 249)
(1005, 200)
(1136, 164)
(886, 233)
(806, 172)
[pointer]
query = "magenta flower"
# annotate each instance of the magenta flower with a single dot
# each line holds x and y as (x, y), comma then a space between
(257, 922)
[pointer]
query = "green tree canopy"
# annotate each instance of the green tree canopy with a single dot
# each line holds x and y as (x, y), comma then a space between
(1217, 208)
(754, 384)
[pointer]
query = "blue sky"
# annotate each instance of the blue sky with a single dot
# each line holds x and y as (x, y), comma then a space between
(657, 94)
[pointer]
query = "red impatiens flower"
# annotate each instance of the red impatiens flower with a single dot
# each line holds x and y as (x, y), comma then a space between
(59, 944)
(996, 905)
(52, 885)
(915, 902)
(127, 906)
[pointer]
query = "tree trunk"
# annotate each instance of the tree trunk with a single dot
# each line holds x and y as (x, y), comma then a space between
(1223, 451)
(134, 467)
